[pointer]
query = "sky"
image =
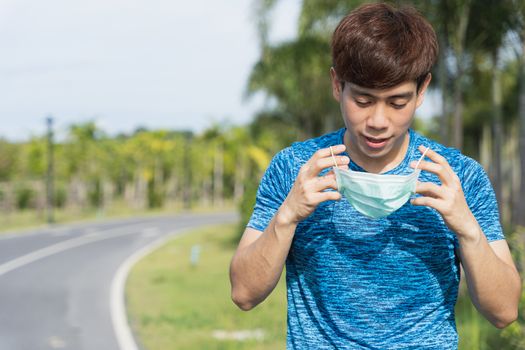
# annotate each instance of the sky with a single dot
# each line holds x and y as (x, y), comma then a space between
(129, 63)
(126, 64)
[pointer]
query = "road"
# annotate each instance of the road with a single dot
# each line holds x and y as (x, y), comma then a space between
(62, 287)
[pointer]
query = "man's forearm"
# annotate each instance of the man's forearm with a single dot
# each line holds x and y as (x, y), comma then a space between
(256, 268)
(494, 285)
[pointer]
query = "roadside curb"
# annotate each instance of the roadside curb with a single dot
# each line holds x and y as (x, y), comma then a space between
(119, 317)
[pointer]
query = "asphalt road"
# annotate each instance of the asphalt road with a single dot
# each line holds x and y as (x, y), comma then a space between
(62, 287)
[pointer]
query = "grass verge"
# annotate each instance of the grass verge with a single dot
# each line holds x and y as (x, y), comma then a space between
(174, 305)
(32, 218)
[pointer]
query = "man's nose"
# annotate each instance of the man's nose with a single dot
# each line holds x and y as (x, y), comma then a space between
(378, 118)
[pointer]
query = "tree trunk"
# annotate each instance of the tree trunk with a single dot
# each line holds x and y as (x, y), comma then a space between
(218, 170)
(520, 218)
(141, 189)
(444, 130)
(187, 182)
(459, 48)
(485, 149)
(497, 129)
(158, 183)
(240, 175)
(458, 113)
(206, 194)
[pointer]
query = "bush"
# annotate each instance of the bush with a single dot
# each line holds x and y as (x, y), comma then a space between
(95, 194)
(25, 197)
(60, 197)
(246, 205)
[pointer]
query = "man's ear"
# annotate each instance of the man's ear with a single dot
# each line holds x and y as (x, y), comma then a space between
(422, 90)
(336, 85)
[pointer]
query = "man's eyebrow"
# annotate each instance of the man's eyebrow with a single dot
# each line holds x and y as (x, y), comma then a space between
(408, 95)
(356, 91)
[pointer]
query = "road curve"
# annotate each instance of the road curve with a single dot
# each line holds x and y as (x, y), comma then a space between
(62, 287)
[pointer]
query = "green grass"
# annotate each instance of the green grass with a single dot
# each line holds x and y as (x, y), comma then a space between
(173, 305)
(31, 218)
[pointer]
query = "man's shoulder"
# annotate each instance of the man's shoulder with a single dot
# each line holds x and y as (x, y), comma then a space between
(458, 161)
(303, 150)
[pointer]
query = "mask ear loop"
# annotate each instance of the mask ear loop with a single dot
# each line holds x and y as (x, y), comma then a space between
(333, 157)
(421, 158)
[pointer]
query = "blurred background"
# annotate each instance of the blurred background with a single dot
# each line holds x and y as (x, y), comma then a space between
(120, 108)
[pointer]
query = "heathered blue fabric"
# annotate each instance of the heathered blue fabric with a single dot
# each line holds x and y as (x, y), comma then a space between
(360, 283)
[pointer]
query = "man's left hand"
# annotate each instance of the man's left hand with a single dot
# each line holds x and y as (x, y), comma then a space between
(448, 199)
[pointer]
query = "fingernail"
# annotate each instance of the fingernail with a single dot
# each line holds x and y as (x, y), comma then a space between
(413, 164)
(346, 160)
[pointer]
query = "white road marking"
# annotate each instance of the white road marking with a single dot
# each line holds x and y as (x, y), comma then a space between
(57, 342)
(240, 335)
(119, 317)
(150, 232)
(62, 246)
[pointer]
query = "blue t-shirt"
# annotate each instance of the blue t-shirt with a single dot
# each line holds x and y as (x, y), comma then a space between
(360, 283)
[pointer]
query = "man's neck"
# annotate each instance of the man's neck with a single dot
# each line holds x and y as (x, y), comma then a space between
(382, 164)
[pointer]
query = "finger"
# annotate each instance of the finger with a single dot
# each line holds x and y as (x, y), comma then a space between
(315, 166)
(426, 202)
(429, 189)
(444, 172)
(325, 182)
(435, 157)
(342, 166)
(326, 152)
(329, 196)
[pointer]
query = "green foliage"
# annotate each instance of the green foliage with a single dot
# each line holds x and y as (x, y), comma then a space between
(515, 333)
(25, 197)
(95, 193)
(60, 196)
(246, 206)
(8, 158)
(295, 74)
(174, 305)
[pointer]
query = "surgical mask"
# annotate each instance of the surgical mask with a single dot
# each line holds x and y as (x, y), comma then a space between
(376, 195)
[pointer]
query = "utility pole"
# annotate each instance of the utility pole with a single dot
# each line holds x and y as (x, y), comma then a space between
(50, 172)
(187, 191)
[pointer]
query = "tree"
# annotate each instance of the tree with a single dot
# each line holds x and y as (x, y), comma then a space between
(519, 30)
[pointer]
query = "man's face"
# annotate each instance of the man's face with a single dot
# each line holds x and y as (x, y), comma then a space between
(377, 120)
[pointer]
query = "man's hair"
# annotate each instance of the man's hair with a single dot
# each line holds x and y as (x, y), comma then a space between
(379, 46)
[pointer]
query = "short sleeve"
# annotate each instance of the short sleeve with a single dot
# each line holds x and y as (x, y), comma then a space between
(273, 189)
(481, 199)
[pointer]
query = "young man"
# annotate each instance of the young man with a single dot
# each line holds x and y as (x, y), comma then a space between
(361, 274)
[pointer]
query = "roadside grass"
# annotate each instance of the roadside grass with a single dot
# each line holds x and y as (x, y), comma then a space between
(174, 305)
(33, 218)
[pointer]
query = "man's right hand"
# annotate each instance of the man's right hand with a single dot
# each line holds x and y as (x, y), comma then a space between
(309, 189)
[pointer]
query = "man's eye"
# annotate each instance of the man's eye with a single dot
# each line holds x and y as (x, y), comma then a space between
(398, 105)
(362, 103)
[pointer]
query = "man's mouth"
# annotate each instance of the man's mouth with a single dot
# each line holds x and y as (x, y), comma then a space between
(376, 142)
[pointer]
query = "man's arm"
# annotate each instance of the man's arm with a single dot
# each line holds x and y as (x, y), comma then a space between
(258, 262)
(493, 281)
(260, 257)
(492, 278)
